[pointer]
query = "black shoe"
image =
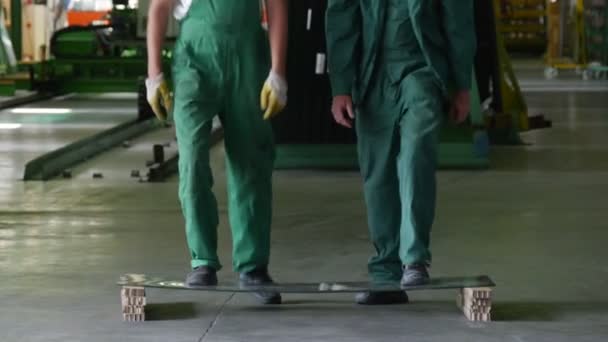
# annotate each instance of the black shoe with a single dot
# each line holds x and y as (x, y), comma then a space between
(415, 275)
(382, 298)
(259, 277)
(202, 276)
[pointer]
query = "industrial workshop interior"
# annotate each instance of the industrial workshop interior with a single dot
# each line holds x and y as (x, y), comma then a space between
(303, 170)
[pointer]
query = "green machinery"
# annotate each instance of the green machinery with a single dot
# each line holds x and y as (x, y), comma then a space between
(95, 58)
(105, 58)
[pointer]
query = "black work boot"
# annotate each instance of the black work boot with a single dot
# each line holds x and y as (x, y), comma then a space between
(415, 275)
(382, 298)
(202, 276)
(260, 277)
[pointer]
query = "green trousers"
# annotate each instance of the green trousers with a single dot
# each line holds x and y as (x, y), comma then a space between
(397, 127)
(221, 60)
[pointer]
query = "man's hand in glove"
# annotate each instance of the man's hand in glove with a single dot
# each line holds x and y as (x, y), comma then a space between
(274, 95)
(159, 96)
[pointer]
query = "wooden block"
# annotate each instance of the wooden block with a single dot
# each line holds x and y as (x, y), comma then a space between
(469, 315)
(477, 293)
(130, 291)
(138, 301)
(135, 291)
(478, 317)
(476, 300)
(133, 300)
(473, 306)
(475, 303)
(134, 317)
(479, 309)
(133, 309)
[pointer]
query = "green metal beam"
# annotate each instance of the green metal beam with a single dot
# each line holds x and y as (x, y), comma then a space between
(451, 156)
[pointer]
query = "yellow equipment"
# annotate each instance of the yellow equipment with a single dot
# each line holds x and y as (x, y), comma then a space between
(566, 48)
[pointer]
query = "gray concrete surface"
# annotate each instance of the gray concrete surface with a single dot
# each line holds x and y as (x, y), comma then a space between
(47, 125)
(117, 164)
(536, 222)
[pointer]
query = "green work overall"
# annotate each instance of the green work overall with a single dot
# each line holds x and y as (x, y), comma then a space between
(397, 126)
(220, 62)
(396, 58)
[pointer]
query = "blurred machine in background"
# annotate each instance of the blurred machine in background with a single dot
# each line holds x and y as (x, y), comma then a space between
(566, 47)
(572, 34)
(98, 46)
(102, 49)
(523, 24)
(308, 137)
(596, 29)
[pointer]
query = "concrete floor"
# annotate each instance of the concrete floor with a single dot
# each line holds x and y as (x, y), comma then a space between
(118, 164)
(43, 126)
(536, 222)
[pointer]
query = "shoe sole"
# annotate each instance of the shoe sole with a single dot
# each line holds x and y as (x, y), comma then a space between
(383, 303)
(395, 300)
(195, 285)
(274, 299)
(264, 300)
(419, 282)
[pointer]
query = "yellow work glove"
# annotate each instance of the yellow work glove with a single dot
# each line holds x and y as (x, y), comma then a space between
(274, 95)
(159, 96)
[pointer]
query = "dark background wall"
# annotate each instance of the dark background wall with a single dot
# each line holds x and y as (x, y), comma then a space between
(307, 118)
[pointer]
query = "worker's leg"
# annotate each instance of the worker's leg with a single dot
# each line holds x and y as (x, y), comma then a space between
(196, 102)
(378, 144)
(250, 155)
(417, 161)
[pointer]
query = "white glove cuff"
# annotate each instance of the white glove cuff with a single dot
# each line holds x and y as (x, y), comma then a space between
(152, 85)
(278, 85)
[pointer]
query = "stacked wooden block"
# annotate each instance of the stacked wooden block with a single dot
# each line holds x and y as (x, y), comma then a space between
(476, 303)
(133, 301)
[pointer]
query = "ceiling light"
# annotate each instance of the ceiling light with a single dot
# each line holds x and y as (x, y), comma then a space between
(41, 111)
(10, 125)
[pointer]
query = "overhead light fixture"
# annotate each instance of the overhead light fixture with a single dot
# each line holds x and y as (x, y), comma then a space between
(41, 111)
(10, 125)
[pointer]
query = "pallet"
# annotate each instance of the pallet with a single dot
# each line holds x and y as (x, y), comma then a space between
(474, 302)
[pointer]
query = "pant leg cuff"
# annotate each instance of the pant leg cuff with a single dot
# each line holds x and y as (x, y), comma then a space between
(385, 275)
(249, 267)
(421, 257)
(209, 263)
